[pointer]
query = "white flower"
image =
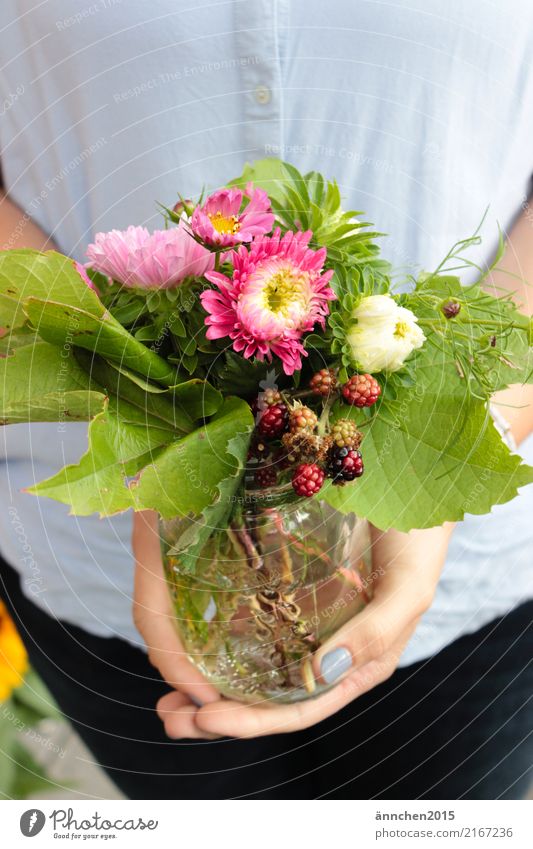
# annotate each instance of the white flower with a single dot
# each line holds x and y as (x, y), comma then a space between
(383, 335)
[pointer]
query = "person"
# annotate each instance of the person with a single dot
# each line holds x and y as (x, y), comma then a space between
(423, 114)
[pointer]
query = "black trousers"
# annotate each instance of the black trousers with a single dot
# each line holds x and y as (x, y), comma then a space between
(455, 726)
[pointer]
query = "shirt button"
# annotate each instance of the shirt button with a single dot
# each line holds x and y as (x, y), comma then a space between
(262, 95)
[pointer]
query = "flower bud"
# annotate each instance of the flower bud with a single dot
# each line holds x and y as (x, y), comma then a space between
(450, 309)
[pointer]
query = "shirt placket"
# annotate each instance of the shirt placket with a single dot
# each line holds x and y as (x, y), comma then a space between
(258, 55)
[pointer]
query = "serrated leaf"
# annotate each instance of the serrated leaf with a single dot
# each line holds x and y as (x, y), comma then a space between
(431, 456)
(100, 482)
(131, 466)
(186, 477)
(215, 516)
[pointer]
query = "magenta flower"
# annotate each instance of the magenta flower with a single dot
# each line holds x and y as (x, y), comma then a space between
(158, 260)
(276, 294)
(220, 220)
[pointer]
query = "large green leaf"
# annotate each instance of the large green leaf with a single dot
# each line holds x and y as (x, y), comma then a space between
(129, 465)
(26, 273)
(186, 477)
(431, 457)
(100, 482)
(42, 383)
(217, 514)
(65, 324)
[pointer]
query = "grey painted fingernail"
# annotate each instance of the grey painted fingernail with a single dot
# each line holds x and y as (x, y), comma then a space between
(198, 702)
(334, 664)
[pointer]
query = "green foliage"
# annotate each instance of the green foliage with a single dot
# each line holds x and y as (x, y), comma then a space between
(311, 202)
(431, 453)
(134, 466)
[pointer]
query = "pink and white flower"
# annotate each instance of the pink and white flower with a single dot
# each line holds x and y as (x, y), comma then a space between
(277, 293)
(220, 220)
(158, 260)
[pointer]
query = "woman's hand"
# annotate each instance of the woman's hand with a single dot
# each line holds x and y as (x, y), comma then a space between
(153, 617)
(362, 654)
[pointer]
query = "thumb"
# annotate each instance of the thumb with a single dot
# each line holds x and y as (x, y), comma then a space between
(399, 601)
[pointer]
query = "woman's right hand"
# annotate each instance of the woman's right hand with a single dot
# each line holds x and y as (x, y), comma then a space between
(153, 617)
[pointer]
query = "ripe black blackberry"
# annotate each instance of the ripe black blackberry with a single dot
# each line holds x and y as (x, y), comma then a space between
(344, 464)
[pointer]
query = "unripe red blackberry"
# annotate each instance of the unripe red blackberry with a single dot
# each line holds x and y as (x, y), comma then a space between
(324, 382)
(265, 477)
(302, 419)
(344, 434)
(307, 479)
(273, 422)
(361, 390)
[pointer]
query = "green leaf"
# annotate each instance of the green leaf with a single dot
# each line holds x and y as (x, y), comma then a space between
(216, 515)
(101, 481)
(431, 456)
(25, 273)
(186, 477)
(129, 465)
(43, 383)
(64, 324)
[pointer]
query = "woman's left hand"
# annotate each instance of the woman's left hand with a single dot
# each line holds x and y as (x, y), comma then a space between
(361, 655)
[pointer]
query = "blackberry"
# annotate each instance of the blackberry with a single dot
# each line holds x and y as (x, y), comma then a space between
(301, 446)
(344, 464)
(273, 422)
(324, 382)
(302, 419)
(361, 390)
(307, 479)
(344, 434)
(265, 477)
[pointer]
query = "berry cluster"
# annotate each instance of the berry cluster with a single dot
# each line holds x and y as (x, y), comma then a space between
(286, 435)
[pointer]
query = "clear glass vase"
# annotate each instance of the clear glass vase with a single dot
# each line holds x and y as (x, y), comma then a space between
(266, 593)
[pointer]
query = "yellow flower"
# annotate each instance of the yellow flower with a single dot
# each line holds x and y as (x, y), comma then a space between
(13, 657)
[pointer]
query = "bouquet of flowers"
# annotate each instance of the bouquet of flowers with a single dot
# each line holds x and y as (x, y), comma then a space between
(259, 375)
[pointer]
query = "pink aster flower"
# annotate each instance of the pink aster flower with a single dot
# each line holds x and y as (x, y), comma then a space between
(277, 293)
(220, 220)
(158, 260)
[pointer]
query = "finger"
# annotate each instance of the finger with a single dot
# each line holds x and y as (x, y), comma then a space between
(233, 719)
(178, 715)
(154, 617)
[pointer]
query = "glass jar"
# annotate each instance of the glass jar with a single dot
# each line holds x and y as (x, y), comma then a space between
(267, 592)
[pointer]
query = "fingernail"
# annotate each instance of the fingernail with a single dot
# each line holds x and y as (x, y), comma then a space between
(195, 700)
(334, 664)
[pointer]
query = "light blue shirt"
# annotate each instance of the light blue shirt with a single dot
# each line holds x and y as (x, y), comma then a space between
(423, 111)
